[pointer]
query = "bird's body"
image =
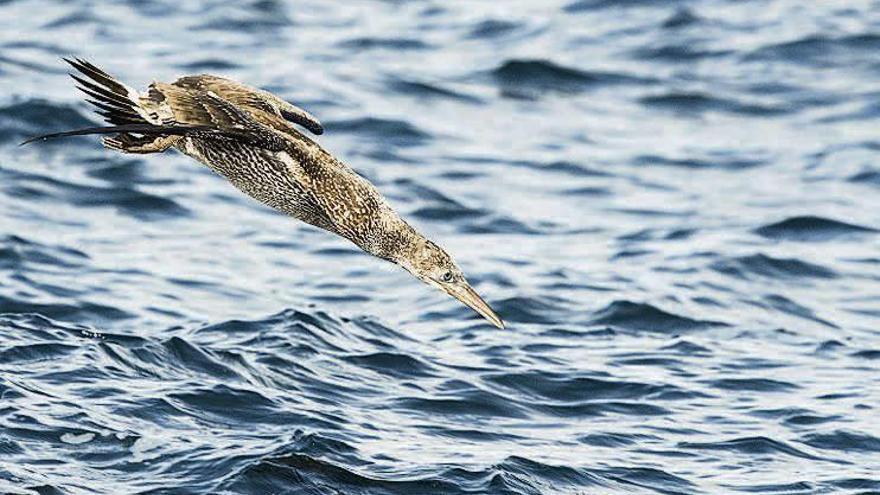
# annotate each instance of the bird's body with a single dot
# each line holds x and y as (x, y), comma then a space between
(307, 183)
(247, 136)
(303, 181)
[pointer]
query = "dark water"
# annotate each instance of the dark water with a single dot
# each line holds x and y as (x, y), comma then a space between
(674, 204)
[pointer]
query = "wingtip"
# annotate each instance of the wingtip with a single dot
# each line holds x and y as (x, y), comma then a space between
(299, 116)
(30, 140)
(70, 62)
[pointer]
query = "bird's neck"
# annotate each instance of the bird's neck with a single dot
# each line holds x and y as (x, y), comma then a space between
(397, 244)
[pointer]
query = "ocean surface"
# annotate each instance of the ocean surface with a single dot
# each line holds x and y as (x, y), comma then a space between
(675, 206)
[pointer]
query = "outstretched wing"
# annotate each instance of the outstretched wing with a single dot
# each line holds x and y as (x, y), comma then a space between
(205, 109)
(165, 110)
(262, 105)
(194, 101)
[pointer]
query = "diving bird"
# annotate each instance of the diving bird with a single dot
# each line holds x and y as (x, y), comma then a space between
(249, 136)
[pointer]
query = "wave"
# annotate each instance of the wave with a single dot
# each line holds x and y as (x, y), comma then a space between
(35, 352)
(32, 117)
(429, 90)
(591, 5)
(123, 198)
(515, 474)
(392, 364)
(501, 224)
(628, 315)
(730, 162)
(614, 440)
(529, 78)
(222, 402)
(81, 17)
(766, 266)
(751, 446)
(698, 102)
(312, 474)
(467, 402)
(387, 131)
(811, 228)
(818, 49)
(209, 64)
(440, 207)
(17, 253)
(842, 440)
(685, 53)
(652, 479)
(687, 348)
(565, 388)
(261, 18)
(492, 28)
(867, 354)
(682, 18)
(868, 176)
(81, 311)
(371, 43)
(528, 310)
(753, 384)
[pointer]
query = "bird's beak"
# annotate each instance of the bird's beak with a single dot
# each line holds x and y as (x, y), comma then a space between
(469, 297)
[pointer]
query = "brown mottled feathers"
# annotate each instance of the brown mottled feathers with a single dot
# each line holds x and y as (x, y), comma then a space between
(186, 101)
(265, 107)
(205, 108)
(246, 135)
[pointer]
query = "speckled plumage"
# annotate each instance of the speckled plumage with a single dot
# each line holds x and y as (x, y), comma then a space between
(248, 136)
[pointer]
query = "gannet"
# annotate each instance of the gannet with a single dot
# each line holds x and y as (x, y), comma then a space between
(248, 136)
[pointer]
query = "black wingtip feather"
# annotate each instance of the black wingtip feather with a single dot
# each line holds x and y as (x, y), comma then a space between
(104, 92)
(146, 130)
(98, 75)
(116, 129)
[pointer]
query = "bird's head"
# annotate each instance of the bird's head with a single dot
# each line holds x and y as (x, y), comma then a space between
(432, 265)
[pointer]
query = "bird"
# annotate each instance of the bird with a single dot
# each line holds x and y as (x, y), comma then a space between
(250, 137)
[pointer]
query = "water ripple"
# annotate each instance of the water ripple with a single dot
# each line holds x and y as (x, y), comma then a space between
(811, 228)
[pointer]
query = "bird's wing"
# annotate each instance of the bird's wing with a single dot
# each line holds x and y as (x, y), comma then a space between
(167, 110)
(201, 101)
(206, 109)
(262, 105)
(162, 105)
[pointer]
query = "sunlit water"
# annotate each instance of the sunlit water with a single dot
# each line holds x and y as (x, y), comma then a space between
(672, 203)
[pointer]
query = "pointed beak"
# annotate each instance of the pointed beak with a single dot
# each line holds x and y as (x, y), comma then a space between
(471, 299)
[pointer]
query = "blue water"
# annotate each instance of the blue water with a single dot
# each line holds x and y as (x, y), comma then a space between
(673, 204)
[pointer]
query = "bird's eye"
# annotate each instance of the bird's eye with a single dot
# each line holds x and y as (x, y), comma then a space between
(446, 277)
